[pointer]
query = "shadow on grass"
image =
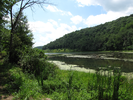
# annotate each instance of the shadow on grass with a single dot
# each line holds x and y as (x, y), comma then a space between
(5, 81)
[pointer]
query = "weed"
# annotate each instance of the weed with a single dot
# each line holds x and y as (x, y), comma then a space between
(69, 85)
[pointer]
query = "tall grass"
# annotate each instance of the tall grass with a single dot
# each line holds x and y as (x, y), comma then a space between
(105, 84)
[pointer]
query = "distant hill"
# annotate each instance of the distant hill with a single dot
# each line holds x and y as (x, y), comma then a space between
(39, 47)
(114, 35)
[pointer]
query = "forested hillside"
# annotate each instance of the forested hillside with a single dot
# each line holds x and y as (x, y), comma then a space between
(39, 47)
(115, 35)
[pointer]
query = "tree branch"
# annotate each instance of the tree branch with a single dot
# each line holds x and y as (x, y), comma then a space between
(21, 4)
(29, 3)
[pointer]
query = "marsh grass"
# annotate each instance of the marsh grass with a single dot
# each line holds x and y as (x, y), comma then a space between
(69, 85)
(99, 86)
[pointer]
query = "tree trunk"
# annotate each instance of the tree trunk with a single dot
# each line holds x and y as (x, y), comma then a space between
(11, 38)
(13, 25)
(11, 49)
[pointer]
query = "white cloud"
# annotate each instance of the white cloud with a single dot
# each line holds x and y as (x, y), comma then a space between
(69, 13)
(76, 19)
(114, 9)
(46, 32)
(59, 19)
(87, 2)
(52, 8)
(55, 9)
(53, 22)
(102, 18)
(108, 5)
(41, 27)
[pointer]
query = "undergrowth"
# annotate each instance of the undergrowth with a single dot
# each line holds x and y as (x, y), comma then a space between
(70, 85)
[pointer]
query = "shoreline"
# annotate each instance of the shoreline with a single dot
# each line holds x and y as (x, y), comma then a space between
(94, 52)
(64, 66)
(94, 56)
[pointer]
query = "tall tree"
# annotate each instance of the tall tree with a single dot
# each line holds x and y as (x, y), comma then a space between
(23, 5)
(22, 38)
(22, 31)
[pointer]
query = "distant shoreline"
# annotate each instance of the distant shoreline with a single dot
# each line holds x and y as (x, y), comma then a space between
(129, 51)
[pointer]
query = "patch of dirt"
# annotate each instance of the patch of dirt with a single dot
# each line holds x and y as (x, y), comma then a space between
(3, 93)
(3, 97)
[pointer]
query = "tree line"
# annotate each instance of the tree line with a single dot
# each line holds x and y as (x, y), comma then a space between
(114, 35)
(15, 36)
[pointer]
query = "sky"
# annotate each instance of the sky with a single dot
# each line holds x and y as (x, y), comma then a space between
(65, 16)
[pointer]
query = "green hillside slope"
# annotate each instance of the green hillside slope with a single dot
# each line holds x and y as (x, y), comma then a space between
(39, 47)
(115, 35)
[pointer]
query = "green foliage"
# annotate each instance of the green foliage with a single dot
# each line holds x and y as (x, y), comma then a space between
(115, 35)
(59, 50)
(106, 85)
(3, 12)
(34, 61)
(69, 85)
(22, 38)
(4, 33)
(3, 53)
(4, 39)
(22, 31)
(22, 85)
(87, 86)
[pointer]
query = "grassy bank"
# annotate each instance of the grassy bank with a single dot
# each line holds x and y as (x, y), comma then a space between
(71, 50)
(65, 85)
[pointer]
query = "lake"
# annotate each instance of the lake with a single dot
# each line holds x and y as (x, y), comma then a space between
(93, 60)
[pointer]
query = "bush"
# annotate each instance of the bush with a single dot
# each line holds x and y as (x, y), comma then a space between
(3, 53)
(34, 62)
(129, 47)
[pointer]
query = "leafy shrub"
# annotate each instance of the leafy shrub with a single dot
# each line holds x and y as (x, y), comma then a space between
(4, 56)
(3, 53)
(129, 47)
(34, 62)
(30, 58)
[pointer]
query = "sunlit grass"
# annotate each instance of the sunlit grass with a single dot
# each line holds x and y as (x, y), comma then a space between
(69, 85)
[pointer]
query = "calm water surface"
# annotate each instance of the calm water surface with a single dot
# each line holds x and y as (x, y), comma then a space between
(94, 63)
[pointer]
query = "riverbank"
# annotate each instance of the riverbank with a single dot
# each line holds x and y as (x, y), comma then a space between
(73, 51)
(64, 66)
